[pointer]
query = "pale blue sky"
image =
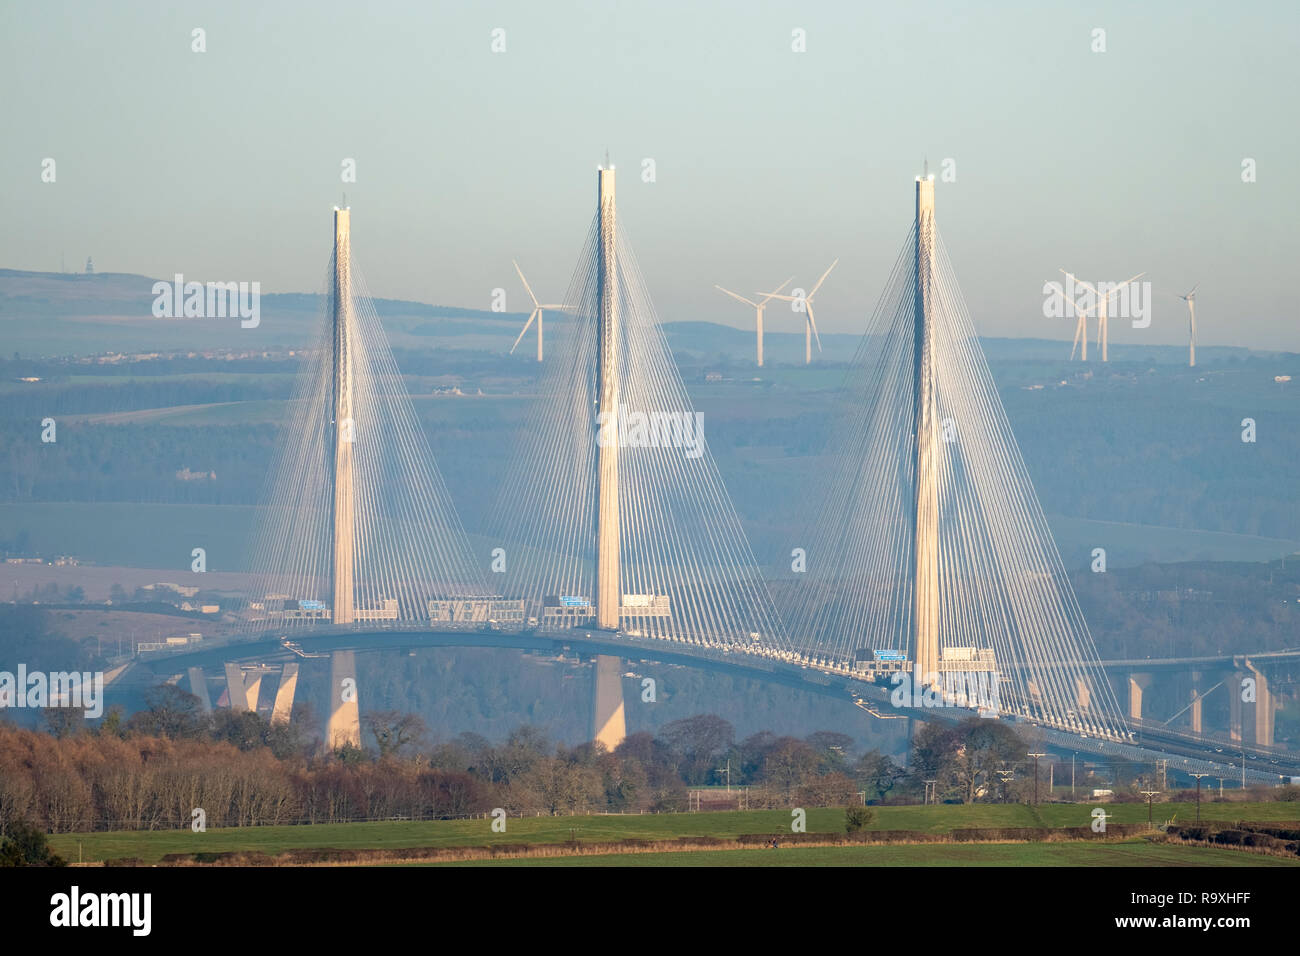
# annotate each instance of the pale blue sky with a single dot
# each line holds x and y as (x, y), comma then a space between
(225, 165)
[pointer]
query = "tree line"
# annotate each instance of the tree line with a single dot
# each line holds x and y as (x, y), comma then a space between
(153, 769)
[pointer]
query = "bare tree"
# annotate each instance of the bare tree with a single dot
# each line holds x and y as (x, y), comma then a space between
(394, 730)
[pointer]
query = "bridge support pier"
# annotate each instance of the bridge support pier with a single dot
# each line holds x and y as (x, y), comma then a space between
(1196, 713)
(913, 728)
(1137, 683)
(1082, 696)
(608, 724)
(199, 688)
(243, 693)
(284, 693)
(1250, 705)
(344, 725)
(253, 686)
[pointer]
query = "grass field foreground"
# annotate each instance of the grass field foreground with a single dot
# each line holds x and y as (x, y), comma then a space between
(1139, 853)
(152, 845)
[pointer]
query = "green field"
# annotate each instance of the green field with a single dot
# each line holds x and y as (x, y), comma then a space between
(1131, 853)
(153, 845)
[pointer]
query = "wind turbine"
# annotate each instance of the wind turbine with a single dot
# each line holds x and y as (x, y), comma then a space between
(1190, 299)
(1080, 329)
(758, 310)
(535, 314)
(1103, 336)
(810, 321)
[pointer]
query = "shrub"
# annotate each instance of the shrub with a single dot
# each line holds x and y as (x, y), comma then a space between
(25, 845)
(857, 819)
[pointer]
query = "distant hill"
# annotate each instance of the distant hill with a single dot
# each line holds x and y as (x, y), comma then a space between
(126, 295)
(708, 339)
(52, 313)
(55, 314)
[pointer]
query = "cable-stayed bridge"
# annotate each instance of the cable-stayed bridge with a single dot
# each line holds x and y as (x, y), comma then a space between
(929, 536)
(933, 587)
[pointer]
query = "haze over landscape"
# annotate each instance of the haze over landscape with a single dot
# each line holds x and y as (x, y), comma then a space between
(357, 575)
(767, 163)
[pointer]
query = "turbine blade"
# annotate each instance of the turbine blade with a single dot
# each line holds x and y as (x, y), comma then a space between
(772, 295)
(1077, 281)
(813, 321)
(523, 330)
(823, 278)
(526, 285)
(735, 296)
(1121, 285)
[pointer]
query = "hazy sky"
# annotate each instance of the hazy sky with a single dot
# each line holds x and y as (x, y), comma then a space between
(225, 164)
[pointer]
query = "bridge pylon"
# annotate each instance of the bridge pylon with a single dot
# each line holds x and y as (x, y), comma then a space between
(357, 525)
(614, 511)
(925, 492)
(608, 587)
(928, 542)
(607, 723)
(342, 502)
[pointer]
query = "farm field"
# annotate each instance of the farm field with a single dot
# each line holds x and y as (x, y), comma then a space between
(1140, 853)
(150, 846)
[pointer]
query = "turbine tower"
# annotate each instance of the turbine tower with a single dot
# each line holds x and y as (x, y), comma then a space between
(758, 309)
(810, 321)
(1103, 301)
(1190, 299)
(608, 591)
(1080, 330)
(535, 314)
(925, 498)
(342, 430)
